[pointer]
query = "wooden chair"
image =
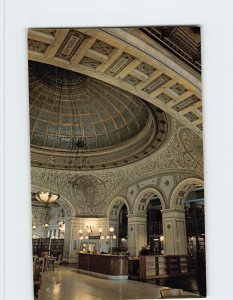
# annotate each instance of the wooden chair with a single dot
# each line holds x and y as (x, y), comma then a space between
(50, 263)
(171, 293)
(58, 262)
(36, 276)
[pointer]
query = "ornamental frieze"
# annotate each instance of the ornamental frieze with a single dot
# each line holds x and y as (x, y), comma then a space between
(92, 191)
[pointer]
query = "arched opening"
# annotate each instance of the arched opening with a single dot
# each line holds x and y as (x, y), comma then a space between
(154, 226)
(117, 214)
(123, 229)
(148, 206)
(195, 226)
(48, 228)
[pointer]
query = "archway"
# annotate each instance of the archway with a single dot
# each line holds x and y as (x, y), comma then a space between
(154, 225)
(146, 221)
(49, 224)
(117, 214)
(194, 205)
(188, 196)
(182, 190)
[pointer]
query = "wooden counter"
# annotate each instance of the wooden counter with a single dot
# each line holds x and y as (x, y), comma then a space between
(103, 265)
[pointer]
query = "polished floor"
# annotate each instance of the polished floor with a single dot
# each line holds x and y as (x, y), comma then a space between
(67, 284)
(192, 283)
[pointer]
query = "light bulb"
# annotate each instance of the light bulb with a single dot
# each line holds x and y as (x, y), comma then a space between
(111, 229)
(161, 238)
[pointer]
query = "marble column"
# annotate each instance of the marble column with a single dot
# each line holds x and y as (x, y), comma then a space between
(71, 240)
(137, 233)
(174, 232)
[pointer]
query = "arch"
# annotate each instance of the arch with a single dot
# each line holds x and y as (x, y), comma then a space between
(144, 197)
(116, 205)
(68, 207)
(181, 191)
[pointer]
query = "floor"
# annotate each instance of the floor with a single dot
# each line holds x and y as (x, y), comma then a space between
(67, 284)
(192, 283)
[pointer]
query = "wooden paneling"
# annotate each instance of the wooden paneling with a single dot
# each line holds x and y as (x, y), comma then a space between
(104, 264)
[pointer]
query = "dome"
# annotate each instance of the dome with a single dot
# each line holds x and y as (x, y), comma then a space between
(67, 107)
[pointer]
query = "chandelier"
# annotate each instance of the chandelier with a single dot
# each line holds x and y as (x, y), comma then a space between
(47, 197)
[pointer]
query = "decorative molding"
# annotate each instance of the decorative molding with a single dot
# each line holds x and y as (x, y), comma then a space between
(132, 80)
(37, 46)
(156, 83)
(71, 43)
(145, 68)
(90, 62)
(102, 47)
(123, 60)
(186, 103)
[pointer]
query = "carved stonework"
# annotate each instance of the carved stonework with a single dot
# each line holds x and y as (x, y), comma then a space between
(92, 193)
(89, 190)
(70, 44)
(185, 103)
(102, 47)
(37, 46)
(119, 64)
(145, 68)
(191, 117)
(89, 62)
(178, 89)
(156, 83)
(131, 80)
(164, 98)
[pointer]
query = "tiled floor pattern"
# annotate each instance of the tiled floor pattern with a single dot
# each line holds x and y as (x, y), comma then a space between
(67, 284)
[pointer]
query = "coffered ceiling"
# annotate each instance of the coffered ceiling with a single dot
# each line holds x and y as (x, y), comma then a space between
(129, 59)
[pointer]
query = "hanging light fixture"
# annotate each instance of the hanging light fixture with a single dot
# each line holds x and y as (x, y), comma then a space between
(47, 197)
(46, 224)
(61, 218)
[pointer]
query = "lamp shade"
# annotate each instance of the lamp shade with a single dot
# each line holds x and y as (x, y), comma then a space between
(47, 197)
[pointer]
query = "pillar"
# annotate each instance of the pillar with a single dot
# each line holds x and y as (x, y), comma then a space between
(174, 232)
(137, 233)
(71, 240)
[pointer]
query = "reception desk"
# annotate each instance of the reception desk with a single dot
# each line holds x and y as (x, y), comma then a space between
(103, 265)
